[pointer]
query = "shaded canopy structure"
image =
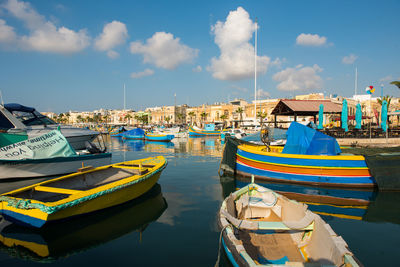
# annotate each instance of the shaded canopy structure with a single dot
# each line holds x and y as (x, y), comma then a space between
(292, 107)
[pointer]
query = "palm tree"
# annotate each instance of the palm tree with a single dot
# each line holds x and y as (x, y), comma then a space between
(203, 116)
(128, 118)
(240, 111)
(179, 117)
(261, 115)
(79, 118)
(167, 119)
(191, 115)
(223, 118)
(397, 83)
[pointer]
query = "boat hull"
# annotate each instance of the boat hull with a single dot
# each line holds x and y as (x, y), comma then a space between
(159, 138)
(194, 132)
(10, 169)
(79, 202)
(133, 137)
(337, 171)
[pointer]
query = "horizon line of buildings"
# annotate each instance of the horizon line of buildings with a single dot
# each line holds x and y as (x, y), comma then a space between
(230, 113)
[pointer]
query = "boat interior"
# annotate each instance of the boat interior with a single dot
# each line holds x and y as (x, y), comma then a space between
(286, 231)
(58, 189)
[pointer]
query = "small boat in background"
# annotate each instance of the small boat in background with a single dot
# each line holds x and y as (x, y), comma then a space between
(134, 134)
(159, 137)
(83, 192)
(118, 132)
(209, 130)
(262, 227)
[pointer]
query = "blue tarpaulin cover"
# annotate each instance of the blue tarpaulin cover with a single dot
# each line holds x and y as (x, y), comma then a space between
(304, 140)
(136, 131)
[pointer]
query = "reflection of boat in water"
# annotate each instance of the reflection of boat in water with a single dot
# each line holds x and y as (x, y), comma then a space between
(135, 145)
(160, 144)
(73, 236)
(343, 203)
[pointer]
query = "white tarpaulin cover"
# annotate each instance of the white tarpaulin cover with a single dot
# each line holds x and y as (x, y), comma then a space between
(50, 145)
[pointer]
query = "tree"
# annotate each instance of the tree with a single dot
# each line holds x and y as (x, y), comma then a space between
(128, 118)
(203, 116)
(223, 118)
(179, 117)
(261, 115)
(167, 119)
(191, 115)
(397, 83)
(240, 111)
(79, 118)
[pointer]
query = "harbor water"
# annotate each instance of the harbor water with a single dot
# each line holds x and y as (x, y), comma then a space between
(175, 223)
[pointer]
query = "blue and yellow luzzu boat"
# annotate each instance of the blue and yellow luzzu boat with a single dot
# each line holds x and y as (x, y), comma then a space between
(208, 131)
(81, 193)
(316, 161)
(159, 137)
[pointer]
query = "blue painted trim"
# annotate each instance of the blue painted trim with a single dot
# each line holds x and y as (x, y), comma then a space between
(306, 178)
(22, 219)
(229, 254)
(303, 162)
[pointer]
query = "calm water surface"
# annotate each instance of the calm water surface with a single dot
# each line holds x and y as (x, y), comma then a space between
(175, 224)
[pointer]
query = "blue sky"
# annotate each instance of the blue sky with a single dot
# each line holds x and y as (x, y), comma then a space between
(77, 55)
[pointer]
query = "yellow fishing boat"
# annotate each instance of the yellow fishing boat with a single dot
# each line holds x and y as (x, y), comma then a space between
(82, 192)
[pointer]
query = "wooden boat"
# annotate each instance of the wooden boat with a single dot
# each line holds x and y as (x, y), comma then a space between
(81, 192)
(197, 132)
(159, 137)
(319, 169)
(263, 228)
(56, 241)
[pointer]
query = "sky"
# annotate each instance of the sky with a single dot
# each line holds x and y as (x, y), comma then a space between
(76, 55)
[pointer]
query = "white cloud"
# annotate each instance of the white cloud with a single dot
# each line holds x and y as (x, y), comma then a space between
(44, 35)
(236, 60)
(112, 54)
(299, 78)
(310, 39)
(278, 62)
(350, 59)
(146, 72)
(197, 69)
(114, 33)
(386, 79)
(7, 34)
(242, 89)
(164, 51)
(262, 94)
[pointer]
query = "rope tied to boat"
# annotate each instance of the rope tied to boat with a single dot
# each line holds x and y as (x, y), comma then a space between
(26, 203)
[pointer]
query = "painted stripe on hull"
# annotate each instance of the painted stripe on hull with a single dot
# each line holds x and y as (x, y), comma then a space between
(320, 171)
(22, 219)
(306, 179)
(302, 161)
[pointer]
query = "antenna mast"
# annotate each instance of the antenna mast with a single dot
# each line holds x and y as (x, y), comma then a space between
(355, 83)
(255, 73)
(124, 98)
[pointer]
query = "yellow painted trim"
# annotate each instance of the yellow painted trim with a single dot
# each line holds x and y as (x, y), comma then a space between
(257, 150)
(39, 249)
(340, 215)
(338, 206)
(57, 190)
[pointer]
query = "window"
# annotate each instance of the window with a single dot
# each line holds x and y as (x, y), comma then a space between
(4, 122)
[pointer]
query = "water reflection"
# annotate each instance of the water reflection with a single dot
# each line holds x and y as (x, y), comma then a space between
(201, 146)
(366, 205)
(77, 235)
